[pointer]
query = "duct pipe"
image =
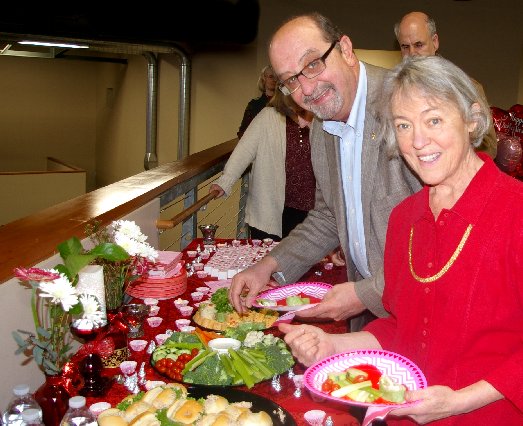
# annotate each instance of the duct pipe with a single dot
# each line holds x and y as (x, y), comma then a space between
(185, 103)
(151, 159)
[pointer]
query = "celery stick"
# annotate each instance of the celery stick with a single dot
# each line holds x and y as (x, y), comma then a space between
(345, 390)
(197, 360)
(266, 371)
(242, 369)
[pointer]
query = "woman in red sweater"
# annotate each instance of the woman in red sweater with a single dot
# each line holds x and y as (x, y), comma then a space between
(453, 258)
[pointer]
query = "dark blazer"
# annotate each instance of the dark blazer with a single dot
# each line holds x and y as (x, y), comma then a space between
(385, 182)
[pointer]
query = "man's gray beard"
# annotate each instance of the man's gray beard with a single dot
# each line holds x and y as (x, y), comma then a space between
(325, 111)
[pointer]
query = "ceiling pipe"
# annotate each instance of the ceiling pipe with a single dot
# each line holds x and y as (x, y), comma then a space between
(151, 159)
(185, 104)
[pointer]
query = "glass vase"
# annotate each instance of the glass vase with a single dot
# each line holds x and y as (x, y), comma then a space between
(53, 398)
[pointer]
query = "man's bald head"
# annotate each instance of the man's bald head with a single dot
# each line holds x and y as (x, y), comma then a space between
(416, 35)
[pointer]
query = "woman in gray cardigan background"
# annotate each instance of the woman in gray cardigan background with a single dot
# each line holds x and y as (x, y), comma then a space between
(281, 182)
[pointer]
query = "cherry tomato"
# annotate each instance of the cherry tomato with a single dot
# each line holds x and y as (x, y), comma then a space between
(327, 386)
(194, 352)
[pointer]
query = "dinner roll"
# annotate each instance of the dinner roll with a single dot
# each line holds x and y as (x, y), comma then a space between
(234, 411)
(165, 398)
(177, 387)
(255, 419)
(110, 412)
(151, 395)
(111, 420)
(215, 404)
(174, 407)
(222, 419)
(135, 409)
(189, 412)
(145, 419)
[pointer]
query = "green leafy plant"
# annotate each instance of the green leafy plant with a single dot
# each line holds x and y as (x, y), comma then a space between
(55, 302)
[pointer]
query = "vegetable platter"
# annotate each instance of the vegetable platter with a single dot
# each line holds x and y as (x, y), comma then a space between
(367, 378)
(187, 358)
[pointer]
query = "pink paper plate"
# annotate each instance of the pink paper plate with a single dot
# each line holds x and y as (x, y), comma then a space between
(316, 290)
(396, 366)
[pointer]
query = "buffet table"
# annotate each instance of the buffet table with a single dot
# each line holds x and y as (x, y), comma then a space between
(286, 398)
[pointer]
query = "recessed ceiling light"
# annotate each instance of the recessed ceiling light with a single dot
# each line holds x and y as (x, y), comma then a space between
(57, 44)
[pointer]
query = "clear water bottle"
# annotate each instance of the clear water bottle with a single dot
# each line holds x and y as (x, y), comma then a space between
(22, 400)
(78, 414)
(32, 417)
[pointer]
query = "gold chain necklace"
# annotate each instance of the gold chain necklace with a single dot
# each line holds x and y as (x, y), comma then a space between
(447, 265)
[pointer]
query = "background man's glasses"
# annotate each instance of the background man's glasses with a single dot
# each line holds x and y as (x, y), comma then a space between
(311, 70)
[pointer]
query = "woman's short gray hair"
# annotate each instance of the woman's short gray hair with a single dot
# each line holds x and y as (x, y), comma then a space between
(261, 78)
(437, 78)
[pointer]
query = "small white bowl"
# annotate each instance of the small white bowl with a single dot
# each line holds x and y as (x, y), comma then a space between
(150, 301)
(98, 407)
(182, 322)
(328, 266)
(186, 311)
(196, 296)
(155, 309)
(192, 253)
(205, 255)
(201, 274)
(256, 243)
(181, 302)
(138, 345)
(187, 328)
(161, 338)
(154, 321)
(128, 367)
(197, 266)
(315, 417)
(203, 290)
(222, 344)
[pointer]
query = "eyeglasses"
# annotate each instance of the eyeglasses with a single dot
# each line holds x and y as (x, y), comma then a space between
(311, 70)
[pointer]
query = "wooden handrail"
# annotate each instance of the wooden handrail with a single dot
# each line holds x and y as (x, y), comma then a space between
(32, 239)
(180, 217)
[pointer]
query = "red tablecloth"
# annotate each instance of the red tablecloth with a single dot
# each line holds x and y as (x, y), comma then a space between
(296, 406)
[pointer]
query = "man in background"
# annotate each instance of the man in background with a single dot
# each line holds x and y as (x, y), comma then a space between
(416, 35)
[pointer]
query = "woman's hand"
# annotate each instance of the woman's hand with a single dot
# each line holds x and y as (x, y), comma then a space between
(439, 402)
(218, 188)
(308, 344)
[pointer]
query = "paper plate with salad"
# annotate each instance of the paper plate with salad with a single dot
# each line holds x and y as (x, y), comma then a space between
(367, 378)
(190, 359)
(293, 296)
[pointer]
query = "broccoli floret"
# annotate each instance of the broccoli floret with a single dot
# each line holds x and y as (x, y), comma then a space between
(179, 337)
(210, 372)
(240, 332)
(278, 358)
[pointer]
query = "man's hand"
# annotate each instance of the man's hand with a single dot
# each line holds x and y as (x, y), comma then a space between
(338, 304)
(247, 284)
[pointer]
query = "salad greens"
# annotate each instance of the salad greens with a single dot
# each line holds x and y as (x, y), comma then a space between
(220, 299)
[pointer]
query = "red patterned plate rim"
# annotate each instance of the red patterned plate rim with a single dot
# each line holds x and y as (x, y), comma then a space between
(316, 289)
(390, 363)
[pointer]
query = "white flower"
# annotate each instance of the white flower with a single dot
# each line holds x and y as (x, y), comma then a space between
(129, 229)
(91, 307)
(129, 236)
(61, 291)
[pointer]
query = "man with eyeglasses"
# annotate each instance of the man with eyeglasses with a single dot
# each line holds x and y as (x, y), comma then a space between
(357, 182)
